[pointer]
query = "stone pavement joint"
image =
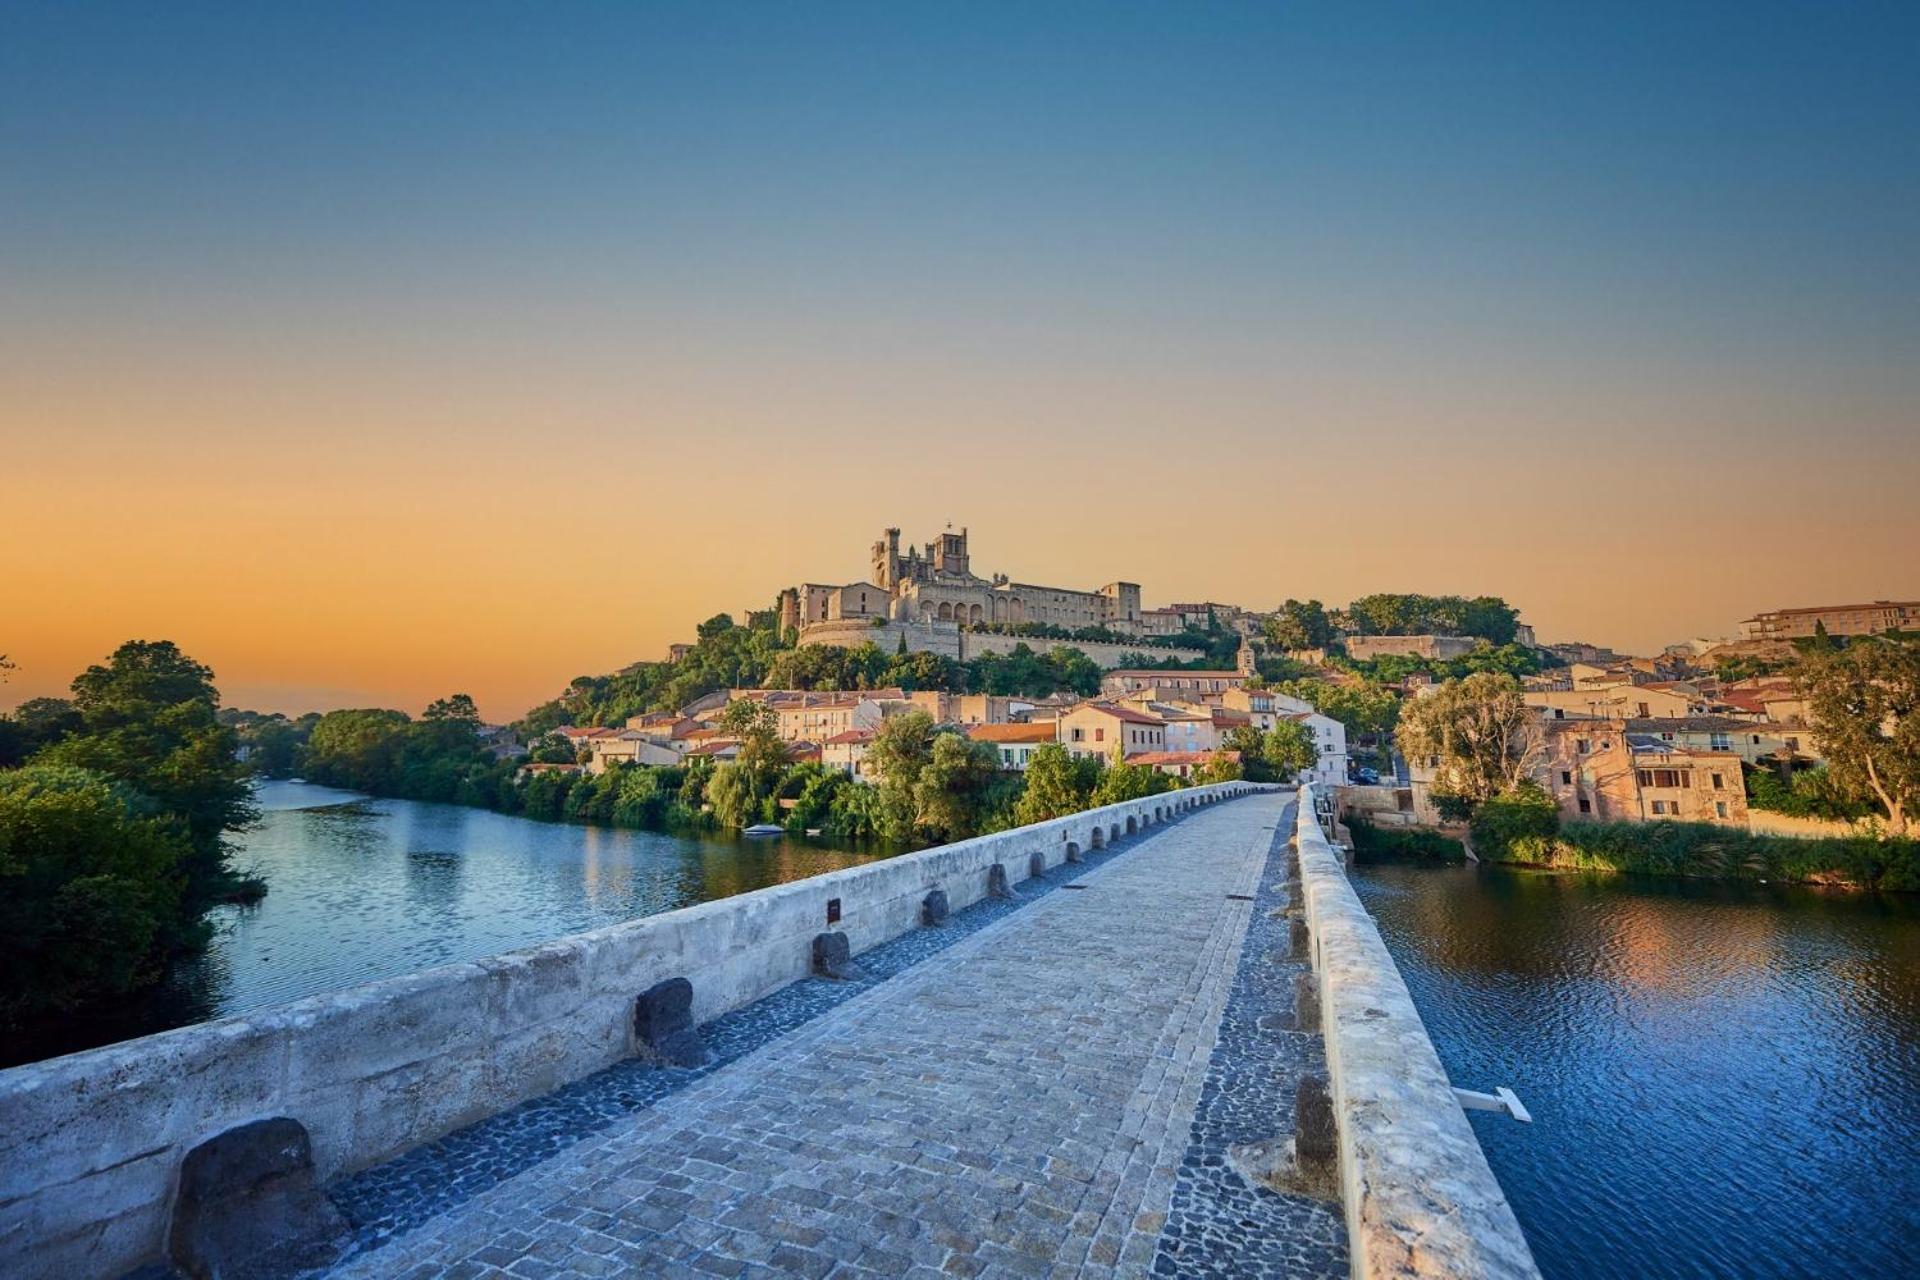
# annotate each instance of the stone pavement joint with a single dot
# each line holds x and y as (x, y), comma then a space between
(1021, 1103)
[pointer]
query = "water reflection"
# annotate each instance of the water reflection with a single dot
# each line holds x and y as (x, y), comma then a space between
(364, 889)
(1725, 1079)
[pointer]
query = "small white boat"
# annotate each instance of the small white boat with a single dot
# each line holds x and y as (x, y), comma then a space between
(764, 829)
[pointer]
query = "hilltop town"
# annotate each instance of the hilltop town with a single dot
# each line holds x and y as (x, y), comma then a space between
(1708, 731)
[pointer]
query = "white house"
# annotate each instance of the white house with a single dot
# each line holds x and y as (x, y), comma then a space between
(1331, 737)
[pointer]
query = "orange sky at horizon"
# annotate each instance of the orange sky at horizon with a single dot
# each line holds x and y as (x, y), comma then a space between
(376, 354)
(506, 541)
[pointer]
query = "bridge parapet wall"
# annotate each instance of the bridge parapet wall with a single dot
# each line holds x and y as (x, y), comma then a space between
(1420, 1199)
(91, 1143)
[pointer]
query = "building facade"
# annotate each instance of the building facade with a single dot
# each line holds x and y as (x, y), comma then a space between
(1836, 619)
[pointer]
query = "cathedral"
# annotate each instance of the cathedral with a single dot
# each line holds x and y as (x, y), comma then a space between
(936, 583)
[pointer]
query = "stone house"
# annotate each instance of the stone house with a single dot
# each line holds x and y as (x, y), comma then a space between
(1015, 743)
(1602, 771)
(1097, 728)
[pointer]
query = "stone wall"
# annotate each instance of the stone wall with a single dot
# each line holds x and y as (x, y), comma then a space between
(1419, 1197)
(1100, 653)
(91, 1144)
(949, 641)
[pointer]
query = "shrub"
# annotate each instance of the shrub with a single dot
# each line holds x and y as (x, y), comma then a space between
(1705, 849)
(1522, 815)
(1421, 843)
(92, 883)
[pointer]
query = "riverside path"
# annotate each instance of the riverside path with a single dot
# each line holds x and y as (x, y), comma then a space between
(1051, 1095)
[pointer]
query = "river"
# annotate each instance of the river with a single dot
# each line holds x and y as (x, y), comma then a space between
(360, 889)
(1724, 1079)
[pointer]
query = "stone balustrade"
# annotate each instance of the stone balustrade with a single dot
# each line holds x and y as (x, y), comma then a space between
(91, 1144)
(1420, 1200)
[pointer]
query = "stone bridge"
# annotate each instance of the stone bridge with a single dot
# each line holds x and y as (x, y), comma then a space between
(1147, 1040)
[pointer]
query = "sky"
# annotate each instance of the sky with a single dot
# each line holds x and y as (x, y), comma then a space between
(373, 353)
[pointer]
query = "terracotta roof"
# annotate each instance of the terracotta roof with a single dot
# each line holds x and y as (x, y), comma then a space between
(1126, 714)
(851, 735)
(1750, 702)
(1180, 757)
(1228, 716)
(1173, 672)
(1042, 732)
(1692, 724)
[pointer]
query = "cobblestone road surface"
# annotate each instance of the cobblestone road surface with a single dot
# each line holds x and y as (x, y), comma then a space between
(1019, 1104)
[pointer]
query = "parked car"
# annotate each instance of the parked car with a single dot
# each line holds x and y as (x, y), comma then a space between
(1366, 777)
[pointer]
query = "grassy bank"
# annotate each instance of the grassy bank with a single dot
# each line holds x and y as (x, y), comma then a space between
(1713, 852)
(1417, 843)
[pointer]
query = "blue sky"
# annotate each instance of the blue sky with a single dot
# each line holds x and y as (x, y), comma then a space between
(1459, 249)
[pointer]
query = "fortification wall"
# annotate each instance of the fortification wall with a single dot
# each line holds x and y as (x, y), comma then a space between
(949, 641)
(91, 1144)
(1104, 655)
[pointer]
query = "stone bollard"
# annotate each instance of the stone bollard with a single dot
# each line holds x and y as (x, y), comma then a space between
(1299, 941)
(1306, 1002)
(997, 882)
(1073, 850)
(933, 908)
(663, 1022)
(1316, 1139)
(249, 1205)
(833, 958)
(1036, 865)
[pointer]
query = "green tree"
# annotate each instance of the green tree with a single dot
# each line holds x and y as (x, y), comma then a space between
(35, 724)
(1297, 625)
(1288, 748)
(1220, 767)
(1865, 703)
(1247, 742)
(149, 717)
(1057, 784)
(1485, 736)
(458, 708)
(92, 889)
(1504, 824)
(950, 793)
(1123, 781)
(1365, 707)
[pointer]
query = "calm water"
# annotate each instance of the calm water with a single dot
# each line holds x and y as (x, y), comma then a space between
(360, 889)
(1724, 1080)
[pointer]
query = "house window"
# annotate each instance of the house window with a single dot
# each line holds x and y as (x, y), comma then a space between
(1566, 777)
(1719, 784)
(1583, 745)
(1586, 805)
(1720, 742)
(1720, 808)
(1558, 714)
(1099, 735)
(1079, 735)
(1659, 808)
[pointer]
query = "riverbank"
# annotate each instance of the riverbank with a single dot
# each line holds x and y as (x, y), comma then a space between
(1704, 851)
(366, 888)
